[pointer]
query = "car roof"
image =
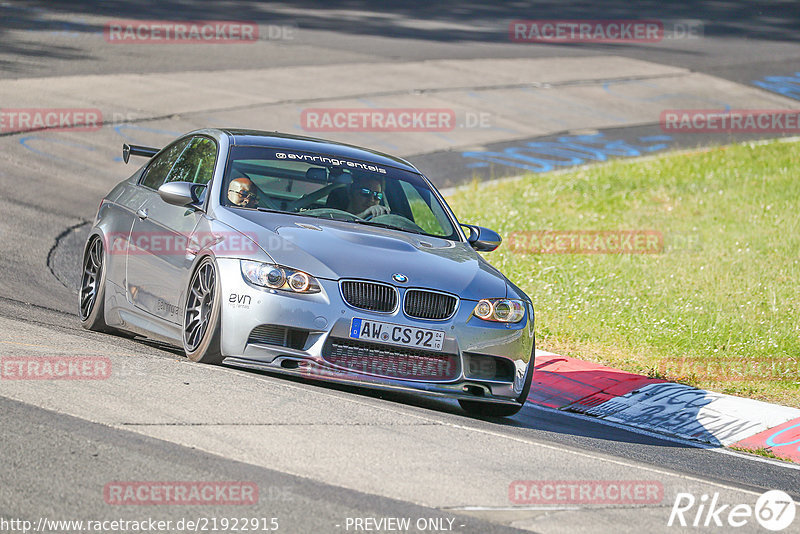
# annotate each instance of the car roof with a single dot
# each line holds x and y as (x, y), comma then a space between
(242, 137)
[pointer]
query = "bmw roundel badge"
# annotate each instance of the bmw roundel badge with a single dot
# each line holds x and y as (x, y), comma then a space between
(400, 278)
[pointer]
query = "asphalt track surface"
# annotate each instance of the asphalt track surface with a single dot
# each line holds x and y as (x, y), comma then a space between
(319, 453)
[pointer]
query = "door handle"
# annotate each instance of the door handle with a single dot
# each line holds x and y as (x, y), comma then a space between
(141, 213)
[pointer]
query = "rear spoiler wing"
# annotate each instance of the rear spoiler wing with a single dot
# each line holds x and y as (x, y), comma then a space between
(137, 150)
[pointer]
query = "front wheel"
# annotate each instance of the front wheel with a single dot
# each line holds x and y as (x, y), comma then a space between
(91, 296)
(201, 318)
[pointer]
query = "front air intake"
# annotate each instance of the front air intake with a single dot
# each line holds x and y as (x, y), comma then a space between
(281, 336)
(395, 362)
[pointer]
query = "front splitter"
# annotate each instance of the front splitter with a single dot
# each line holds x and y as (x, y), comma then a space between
(312, 370)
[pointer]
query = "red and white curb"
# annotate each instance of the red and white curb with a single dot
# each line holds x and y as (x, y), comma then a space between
(568, 384)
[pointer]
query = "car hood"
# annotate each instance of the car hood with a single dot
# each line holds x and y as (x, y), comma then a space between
(336, 249)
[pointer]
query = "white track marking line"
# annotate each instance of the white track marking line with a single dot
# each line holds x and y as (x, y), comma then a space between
(612, 461)
(62, 349)
(512, 508)
(583, 454)
(538, 443)
(675, 439)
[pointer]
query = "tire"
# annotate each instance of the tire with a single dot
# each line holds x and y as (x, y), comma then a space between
(91, 294)
(201, 316)
(491, 409)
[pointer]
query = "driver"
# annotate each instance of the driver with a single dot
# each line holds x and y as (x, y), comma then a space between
(365, 195)
(242, 192)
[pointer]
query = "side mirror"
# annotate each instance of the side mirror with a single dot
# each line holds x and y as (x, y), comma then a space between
(483, 239)
(180, 193)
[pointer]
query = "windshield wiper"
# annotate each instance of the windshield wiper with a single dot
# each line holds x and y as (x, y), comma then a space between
(390, 227)
(326, 217)
(268, 210)
(298, 213)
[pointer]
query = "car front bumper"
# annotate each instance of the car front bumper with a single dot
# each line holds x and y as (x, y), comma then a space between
(486, 361)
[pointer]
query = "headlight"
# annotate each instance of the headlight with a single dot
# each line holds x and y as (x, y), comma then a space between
(299, 281)
(278, 277)
(500, 310)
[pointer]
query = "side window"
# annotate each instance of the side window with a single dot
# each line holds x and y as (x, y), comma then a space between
(161, 165)
(196, 163)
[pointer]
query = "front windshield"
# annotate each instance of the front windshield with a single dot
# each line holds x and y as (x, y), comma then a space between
(326, 187)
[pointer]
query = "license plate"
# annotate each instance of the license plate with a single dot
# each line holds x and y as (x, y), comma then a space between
(396, 334)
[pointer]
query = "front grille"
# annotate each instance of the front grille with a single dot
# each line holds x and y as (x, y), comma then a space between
(369, 296)
(268, 334)
(394, 362)
(429, 305)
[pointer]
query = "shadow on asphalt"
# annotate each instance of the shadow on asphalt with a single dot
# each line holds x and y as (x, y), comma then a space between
(530, 417)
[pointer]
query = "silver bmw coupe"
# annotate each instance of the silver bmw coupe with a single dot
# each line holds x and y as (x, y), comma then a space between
(312, 258)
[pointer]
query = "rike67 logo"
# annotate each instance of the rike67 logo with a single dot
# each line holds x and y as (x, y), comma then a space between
(774, 510)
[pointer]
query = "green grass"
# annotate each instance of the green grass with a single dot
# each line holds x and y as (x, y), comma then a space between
(765, 452)
(718, 308)
(424, 217)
